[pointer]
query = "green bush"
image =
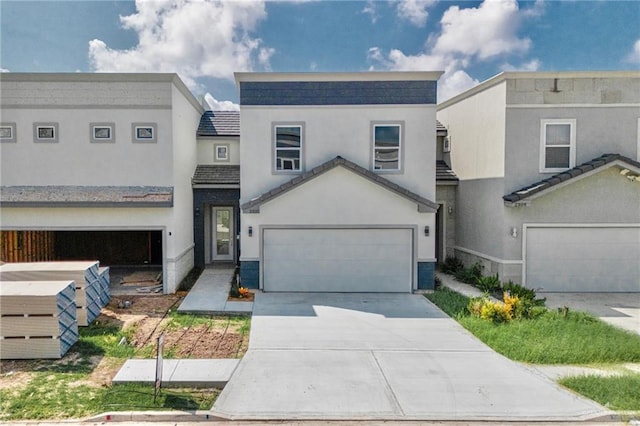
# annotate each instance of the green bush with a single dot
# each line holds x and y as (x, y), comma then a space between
(523, 293)
(470, 275)
(451, 265)
(490, 284)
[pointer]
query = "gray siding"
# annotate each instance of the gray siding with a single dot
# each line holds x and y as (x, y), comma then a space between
(338, 93)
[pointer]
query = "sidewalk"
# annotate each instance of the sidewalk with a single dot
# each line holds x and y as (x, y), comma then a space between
(209, 295)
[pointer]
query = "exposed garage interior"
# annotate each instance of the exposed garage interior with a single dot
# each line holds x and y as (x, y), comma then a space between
(110, 247)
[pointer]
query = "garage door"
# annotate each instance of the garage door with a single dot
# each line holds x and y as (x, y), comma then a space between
(583, 259)
(338, 260)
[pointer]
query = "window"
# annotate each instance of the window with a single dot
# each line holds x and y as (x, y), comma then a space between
(45, 132)
(558, 141)
(144, 132)
(387, 147)
(8, 132)
(221, 152)
(103, 132)
(288, 148)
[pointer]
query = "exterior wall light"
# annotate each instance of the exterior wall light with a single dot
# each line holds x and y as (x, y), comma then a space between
(426, 231)
(514, 232)
(250, 231)
(450, 210)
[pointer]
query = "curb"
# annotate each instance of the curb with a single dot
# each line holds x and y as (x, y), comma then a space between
(155, 416)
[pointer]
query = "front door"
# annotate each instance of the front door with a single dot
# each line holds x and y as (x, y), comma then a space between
(223, 235)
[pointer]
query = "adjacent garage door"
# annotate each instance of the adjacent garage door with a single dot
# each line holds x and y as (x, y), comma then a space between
(584, 259)
(338, 260)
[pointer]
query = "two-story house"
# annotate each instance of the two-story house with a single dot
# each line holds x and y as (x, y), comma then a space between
(338, 181)
(98, 166)
(549, 169)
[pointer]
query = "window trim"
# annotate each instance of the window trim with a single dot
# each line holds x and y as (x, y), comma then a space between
(274, 149)
(227, 157)
(543, 145)
(36, 133)
(401, 125)
(112, 132)
(154, 132)
(12, 127)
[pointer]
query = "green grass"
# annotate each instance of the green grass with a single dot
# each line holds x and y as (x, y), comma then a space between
(56, 396)
(551, 338)
(617, 393)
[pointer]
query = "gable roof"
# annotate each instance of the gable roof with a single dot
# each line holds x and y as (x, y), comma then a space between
(216, 175)
(424, 205)
(444, 174)
(219, 123)
(536, 189)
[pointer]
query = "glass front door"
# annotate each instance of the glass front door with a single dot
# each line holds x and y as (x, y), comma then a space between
(223, 235)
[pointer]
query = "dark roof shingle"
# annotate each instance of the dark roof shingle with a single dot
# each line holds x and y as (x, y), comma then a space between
(216, 175)
(543, 185)
(86, 196)
(219, 123)
(444, 172)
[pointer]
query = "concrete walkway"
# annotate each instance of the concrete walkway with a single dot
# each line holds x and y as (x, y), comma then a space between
(381, 357)
(209, 294)
(192, 373)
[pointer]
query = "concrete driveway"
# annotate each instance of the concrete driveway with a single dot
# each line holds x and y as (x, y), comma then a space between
(619, 309)
(382, 357)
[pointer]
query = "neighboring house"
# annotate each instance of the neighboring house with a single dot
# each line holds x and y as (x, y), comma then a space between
(549, 189)
(100, 164)
(338, 181)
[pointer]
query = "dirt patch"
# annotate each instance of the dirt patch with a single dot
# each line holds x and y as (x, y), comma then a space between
(150, 315)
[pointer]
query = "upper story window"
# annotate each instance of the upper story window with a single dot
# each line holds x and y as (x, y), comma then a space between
(8, 132)
(144, 132)
(102, 132)
(387, 147)
(558, 145)
(45, 132)
(288, 148)
(221, 152)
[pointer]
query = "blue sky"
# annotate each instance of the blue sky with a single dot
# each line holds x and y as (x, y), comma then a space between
(206, 41)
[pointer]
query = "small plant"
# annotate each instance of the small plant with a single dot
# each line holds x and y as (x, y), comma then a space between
(234, 291)
(490, 284)
(244, 292)
(524, 293)
(496, 312)
(470, 275)
(451, 265)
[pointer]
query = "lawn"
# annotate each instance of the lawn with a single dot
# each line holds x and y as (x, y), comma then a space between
(79, 385)
(617, 393)
(552, 338)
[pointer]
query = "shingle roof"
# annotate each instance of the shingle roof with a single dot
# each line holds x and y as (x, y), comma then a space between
(219, 123)
(86, 196)
(440, 129)
(216, 175)
(444, 172)
(543, 185)
(424, 205)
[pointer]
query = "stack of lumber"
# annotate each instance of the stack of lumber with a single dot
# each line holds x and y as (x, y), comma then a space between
(85, 274)
(37, 319)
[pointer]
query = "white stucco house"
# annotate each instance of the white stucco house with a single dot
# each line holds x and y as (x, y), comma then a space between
(104, 163)
(549, 178)
(338, 181)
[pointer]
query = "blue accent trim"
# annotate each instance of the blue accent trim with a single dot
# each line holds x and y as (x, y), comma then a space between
(410, 92)
(250, 274)
(426, 272)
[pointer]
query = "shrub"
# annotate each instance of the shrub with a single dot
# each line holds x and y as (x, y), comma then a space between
(490, 284)
(512, 307)
(497, 312)
(451, 265)
(470, 275)
(523, 293)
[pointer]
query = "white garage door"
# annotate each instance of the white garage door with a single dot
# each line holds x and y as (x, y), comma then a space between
(583, 259)
(338, 260)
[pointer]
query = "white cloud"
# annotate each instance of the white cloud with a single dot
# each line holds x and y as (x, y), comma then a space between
(4, 70)
(634, 56)
(485, 32)
(415, 11)
(533, 65)
(194, 38)
(370, 9)
(216, 105)
(477, 34)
